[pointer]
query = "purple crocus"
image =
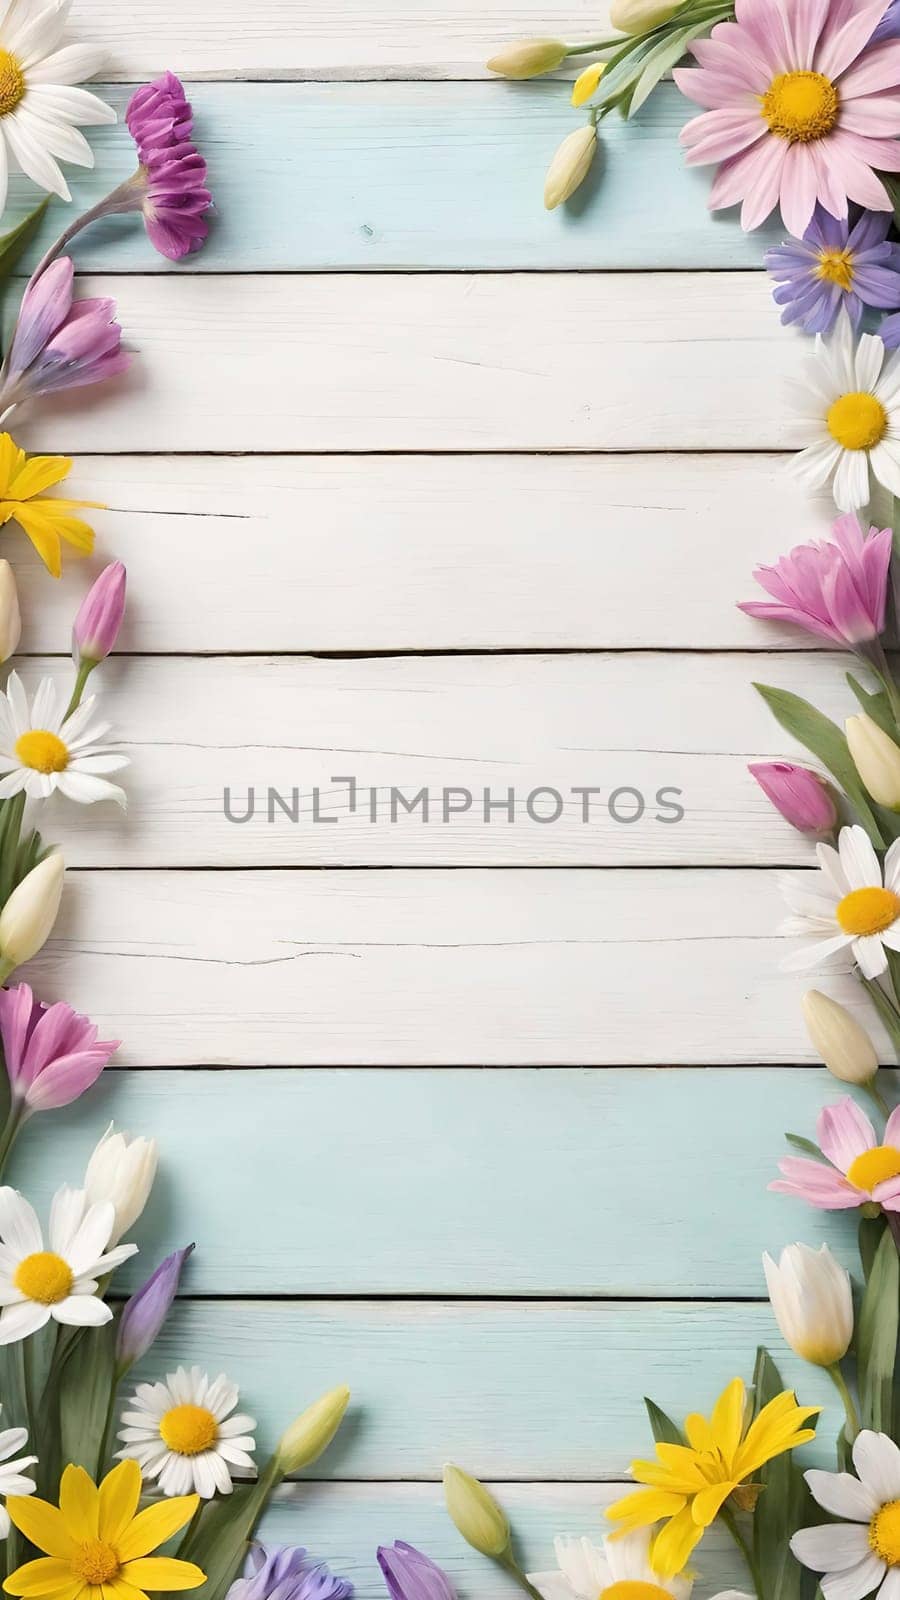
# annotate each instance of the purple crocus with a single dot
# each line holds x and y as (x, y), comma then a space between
(99, 618)
(836, 589)
(274, 1572)
(52, 1054)
(835, 265)
(803, 798)
(144, 1315)
(60, 342)
(409, 1575)
(171, 180)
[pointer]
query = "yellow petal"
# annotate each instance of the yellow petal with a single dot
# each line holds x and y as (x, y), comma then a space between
(57, 514)
(11, 458)
(674, 1543)
(727, 1421)
(46, 1576)
(44, 539)
(586, 82)
(778, 1427)
(699, 1433)
(706, 1505)
(120, 1590)
(644, 1507)
(36, 475)
(79, 1502)
(163, 1572)
(154, 1526)
(120, 1492)
(41, 1523)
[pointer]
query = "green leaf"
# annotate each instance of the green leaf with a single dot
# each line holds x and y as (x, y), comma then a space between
(825, 740)
(661, 58)
(806, 1145)
(664, 1430)
(83, 1399)
(782, 1506)
(13, 244)
(876, 705)
(218, 1542)
(871, 1231)
(876, 1337)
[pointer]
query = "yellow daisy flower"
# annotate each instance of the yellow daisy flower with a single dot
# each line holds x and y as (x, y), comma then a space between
(688, 1485)
(46, 520)
(98, 1544)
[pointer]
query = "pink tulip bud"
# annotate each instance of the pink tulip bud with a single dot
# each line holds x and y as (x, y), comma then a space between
(100, 618)
(802, 797)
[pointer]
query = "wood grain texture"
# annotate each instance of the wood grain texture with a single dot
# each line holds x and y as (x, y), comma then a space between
(627, 759)
(573, 1182)
(452, 362)
(347, 553)
(417, 176)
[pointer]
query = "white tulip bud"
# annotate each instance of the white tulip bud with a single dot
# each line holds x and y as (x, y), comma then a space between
(843, 1044)
(812, 1301)
(528, 58)
(570, 165)
(639, 16)
(121, 1171)
(27, 919)
(10, 617)
(304, 1441)
(876, 758)
(476, 1513)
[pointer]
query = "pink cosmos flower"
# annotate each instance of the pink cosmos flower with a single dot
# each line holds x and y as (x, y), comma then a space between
(171, 181)
(862, 1171)
(836, 589)
(800, 107)
(52, 1054)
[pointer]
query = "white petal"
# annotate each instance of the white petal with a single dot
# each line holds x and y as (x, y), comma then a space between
(832, 1547)
(19, 1322)
(869, 953)
(877, 1461)
(82, 1311)
(858, 858)
(855, 1581)
(19, 1226)
(843, 1495)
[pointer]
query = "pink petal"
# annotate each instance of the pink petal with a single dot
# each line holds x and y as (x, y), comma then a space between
(878, 69)
(839, 47)
(799, 189)
(844, 1132)
(817, 1185)
(716, 135)
(892, 1132)
(806, 21)
(871, 117)
(754, 169)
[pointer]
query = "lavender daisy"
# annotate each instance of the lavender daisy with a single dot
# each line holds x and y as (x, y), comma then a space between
(835, 265)
(274, 1572)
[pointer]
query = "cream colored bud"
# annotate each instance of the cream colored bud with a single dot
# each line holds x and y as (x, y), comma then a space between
(639, 16)
(528, 58)
(843, 1044)
(476, 1513)
(121, 1170)
(304, 1441)
(10, 617)
(27, 919)
(812, 1301)
(570, 165)
(876, 759)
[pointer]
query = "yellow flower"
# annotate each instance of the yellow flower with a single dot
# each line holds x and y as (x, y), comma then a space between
(97, 1542)
(586, 82)
(45, 520)
(689, 1484)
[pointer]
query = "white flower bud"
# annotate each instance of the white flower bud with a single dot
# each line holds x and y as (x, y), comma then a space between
(812, 1301)
(10, 618)
(876, 759)
(304, 1441)
(843, 1044)
(639, 16)
(27, 919)
(570, 165)
(478, 1517)
(528, 58)
(121, 1171)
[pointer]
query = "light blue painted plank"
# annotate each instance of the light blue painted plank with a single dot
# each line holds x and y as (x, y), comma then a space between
(561, 1181)
(428, 175)
(540, 1390)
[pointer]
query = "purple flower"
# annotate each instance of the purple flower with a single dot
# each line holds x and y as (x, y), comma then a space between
(834, 265)
(889, 26)
(172, 177)
(99, 618)
(274, 1572)
(411, 1576)
(59, 342)
(836, 590)
(802, 797)
(52, 1054)
(145, 1313)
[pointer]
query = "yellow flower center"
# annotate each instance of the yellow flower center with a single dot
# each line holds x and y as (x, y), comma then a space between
(44, 1277)
(857, 421)
(836, 266)
(12, 83)
(865, 911)
(800, 106)
(95, 1561)
(626, 1589)
(884, 1533)
(871, 1168)
(189, 1429)
(42, 750)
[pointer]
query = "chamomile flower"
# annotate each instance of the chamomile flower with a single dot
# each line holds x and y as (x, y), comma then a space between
(860, 1553)
(61, 1282)
(43, 749)
(182, 1433)
(13, 1471)
(587, 1571)
(849, 416)
(848, 906)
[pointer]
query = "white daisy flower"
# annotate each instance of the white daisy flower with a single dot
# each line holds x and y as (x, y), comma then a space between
(849, 407)
(589, 1572)
(60, 1282)
(848, 905)
(40, 111)
(182, 1433)
(13, 1479)
(862, 1553)
(43, 749)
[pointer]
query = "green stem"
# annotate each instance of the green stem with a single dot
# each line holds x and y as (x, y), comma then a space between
(850, 1411)
(877, 1097)
(885, 1007)
(85, 668)
(10, 1131)
(108, 1421)
(509, 1564)
(730, 1522)
(27, 1359)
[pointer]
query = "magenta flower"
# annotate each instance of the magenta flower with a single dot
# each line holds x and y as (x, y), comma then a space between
(836, 590)
(171, 182)
(802, 797)
(52, 1054)
(862, 1171)
(800, 107)
(99, 618)
(144, 1315)
(60, 342)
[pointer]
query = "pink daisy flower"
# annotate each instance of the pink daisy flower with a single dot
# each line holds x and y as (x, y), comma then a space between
(800, 108)
(862, 1172)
